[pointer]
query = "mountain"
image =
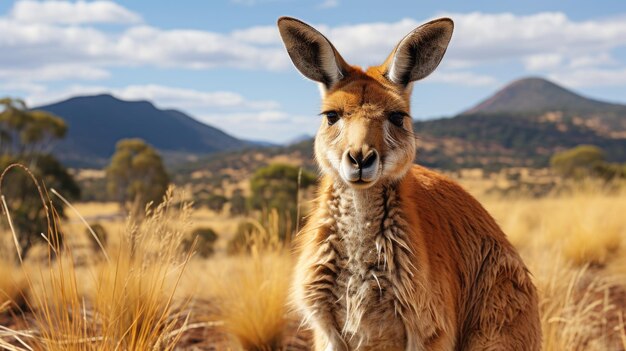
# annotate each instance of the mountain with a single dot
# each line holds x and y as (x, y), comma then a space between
(261, 143)
(539, 98)
(523, 124)
(540, 95)
(97, 123)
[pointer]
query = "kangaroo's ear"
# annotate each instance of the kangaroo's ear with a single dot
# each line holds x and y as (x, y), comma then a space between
(419, 53)
(312, 54)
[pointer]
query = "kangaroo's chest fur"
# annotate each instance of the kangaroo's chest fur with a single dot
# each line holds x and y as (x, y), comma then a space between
(367, 310)
(371, 268)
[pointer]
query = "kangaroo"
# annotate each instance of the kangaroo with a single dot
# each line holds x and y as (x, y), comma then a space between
(395, 256)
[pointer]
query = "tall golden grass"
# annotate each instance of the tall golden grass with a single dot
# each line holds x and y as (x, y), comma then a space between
(250, 289)
(587, 226)
(574, 245)
(253, 297)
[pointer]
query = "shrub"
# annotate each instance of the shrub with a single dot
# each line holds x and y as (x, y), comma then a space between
(239, 242)
(101, 234)
(276, 187)
(206, 238)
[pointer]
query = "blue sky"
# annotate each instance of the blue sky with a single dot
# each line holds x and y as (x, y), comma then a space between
(223, 63)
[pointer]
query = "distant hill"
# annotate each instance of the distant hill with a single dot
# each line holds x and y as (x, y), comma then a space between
(97, 122)
(523, 124)
(540, 95)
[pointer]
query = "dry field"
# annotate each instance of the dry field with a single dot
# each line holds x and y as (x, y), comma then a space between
(142, 292)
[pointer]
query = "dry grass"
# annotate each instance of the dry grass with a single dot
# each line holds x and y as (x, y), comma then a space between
(251, 289)
(133, 295)
(251, 295)
(574, 246)
(588, 227)
(581, 309)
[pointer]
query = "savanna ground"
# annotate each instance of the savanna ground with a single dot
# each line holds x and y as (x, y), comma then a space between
(141, 291)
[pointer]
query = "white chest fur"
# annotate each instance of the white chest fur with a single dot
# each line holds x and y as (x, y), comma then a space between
(363, 285)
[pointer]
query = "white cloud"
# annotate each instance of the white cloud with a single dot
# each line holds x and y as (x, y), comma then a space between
(481, 38)
(592, 60)
(327, 4)
(26, 88)
(191, 99)
(37, 45)
(196, 49)
(590, 77)
(56, 43)
(542, 61)
(462, 78)
(160, 95)
(271, 125)
(542, 41)
(50, 73)
(65, 12)
(260, 35)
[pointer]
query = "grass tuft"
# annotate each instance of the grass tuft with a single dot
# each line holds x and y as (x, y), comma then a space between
(122, 304)
(252, 293)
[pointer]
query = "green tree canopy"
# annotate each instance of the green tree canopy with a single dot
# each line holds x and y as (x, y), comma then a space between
(578, 162)
(276, 187)
(25, 205)
(136, 175)
(26, 138)
(24, 131)
(586, 161)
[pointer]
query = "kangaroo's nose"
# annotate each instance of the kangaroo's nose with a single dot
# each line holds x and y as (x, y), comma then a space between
(357, 166)
(357, 160)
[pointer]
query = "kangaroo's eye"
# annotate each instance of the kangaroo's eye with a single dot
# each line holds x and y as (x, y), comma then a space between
(397, 118)
(332, 117)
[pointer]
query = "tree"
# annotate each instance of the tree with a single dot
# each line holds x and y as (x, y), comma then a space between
(27, 132)
(26, 138)
(276, 187)
(136, 176)
(586, 161)
(578, 162)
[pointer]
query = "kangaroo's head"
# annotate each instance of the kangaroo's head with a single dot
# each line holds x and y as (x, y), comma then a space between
(366, 136)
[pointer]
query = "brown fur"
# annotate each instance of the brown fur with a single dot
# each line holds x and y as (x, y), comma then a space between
(409, 261)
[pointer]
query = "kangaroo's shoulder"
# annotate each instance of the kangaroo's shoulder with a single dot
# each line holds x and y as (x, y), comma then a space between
(433, 191)
(427, 182)
(442, 206)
